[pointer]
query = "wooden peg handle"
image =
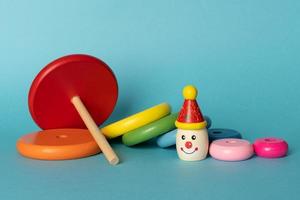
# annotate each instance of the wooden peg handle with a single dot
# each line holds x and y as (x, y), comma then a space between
(95, 131)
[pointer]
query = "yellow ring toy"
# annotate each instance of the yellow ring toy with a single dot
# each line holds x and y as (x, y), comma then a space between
(136, 121)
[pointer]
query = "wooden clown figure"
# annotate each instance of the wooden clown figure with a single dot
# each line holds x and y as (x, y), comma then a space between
(192, 137)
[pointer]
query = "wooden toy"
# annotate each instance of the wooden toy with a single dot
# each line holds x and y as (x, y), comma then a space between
(136, 121)
(169, 139)
(58, 144)
(216, 134)
(192, 137)
(208, 121)
(74, 91)
(270, 147)
(231, 149)
(150, 131)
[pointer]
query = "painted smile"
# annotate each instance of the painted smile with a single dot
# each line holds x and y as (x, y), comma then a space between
(196, 149)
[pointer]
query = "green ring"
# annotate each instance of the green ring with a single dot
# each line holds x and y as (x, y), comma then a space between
(150, 131)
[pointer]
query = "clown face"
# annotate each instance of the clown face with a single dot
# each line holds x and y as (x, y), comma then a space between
(192, 145)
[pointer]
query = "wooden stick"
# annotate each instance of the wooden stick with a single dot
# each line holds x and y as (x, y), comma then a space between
(95, 131)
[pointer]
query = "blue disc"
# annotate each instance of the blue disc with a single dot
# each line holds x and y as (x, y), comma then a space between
(218, 133)
(169, 139)
(208, 120)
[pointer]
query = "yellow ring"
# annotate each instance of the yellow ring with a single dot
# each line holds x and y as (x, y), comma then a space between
(137, 120)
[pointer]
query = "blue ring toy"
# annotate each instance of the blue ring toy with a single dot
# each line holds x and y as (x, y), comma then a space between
(218, 133)
(208, 120)
(169, 139)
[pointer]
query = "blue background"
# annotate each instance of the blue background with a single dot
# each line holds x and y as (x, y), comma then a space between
(243, 56)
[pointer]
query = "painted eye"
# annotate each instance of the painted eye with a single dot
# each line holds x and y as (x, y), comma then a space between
(194, 137)
(183, 137)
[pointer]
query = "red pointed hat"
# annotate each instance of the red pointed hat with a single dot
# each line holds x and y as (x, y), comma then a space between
(190, 116)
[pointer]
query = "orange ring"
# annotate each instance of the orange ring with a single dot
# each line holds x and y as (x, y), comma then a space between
(58, 144)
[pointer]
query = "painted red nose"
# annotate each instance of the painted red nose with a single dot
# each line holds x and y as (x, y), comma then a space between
(188, 145)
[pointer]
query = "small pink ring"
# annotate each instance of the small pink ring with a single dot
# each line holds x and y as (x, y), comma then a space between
(270, 147)
(231, 149)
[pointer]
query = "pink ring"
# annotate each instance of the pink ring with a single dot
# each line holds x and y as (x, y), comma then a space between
(230, 149)
(270, 147)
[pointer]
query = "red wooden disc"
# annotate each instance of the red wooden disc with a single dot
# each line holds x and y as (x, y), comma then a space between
(74, 75)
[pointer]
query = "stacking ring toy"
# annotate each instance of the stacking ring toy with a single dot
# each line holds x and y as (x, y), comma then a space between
(208, 121)
(169, 139)
(75, 91)
(270, 147)
(231, 149)
(58, 144)
(216, 134)
(136, 121)
(150, 131)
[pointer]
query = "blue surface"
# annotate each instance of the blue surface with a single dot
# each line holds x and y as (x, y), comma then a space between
(244, 56)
